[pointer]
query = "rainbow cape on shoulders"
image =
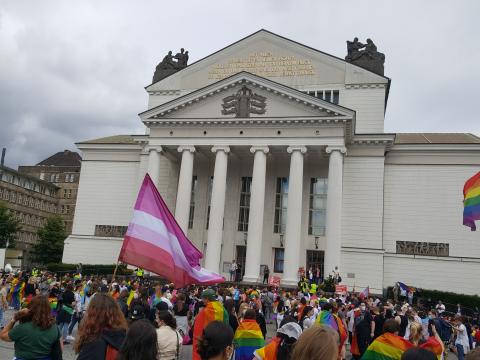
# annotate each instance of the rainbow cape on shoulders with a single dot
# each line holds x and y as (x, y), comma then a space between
(387, 347)
(333, 321)
(247, 339)
(269, 352)
(214, 311)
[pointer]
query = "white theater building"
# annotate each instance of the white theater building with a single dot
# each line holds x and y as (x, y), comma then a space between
(311, 181)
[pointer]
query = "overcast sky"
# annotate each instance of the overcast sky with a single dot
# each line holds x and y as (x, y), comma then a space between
(71, 71)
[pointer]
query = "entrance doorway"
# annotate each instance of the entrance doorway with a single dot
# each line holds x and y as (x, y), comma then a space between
(315, 260)
(240, 259)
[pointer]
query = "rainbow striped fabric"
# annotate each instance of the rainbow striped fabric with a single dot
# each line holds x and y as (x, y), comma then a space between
(387, 347)
(471, 201)
(247, 339)
(15, 295)
(214, 311)
(391, 347)
(269, 352)
(333, 321)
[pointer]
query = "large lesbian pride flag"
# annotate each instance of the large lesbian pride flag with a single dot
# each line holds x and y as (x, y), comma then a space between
(471, 201)
(155, 242)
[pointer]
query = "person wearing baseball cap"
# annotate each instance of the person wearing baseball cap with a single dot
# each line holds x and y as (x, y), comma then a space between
(213, 310)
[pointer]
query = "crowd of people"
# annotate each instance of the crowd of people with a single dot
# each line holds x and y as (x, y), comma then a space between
(140, 319)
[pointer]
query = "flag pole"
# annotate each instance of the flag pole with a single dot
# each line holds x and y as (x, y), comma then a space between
(115, 271)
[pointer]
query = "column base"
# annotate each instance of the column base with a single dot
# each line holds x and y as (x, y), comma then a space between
(251, 279)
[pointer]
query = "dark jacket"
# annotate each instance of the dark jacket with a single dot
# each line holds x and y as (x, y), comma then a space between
(96, 349)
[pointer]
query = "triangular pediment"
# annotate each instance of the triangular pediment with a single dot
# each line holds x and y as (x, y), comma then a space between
(227, 99)
(273, 57)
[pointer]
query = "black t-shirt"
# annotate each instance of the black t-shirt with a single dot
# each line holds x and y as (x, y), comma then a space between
(363, 324)
(379, 321)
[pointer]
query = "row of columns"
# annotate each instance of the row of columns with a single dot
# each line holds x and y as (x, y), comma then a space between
(293, 244)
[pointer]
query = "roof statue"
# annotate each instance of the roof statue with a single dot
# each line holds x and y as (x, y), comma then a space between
(369, 58)
(168, 65)
(243, 103)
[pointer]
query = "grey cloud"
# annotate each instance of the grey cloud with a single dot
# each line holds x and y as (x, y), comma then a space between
(74, 71)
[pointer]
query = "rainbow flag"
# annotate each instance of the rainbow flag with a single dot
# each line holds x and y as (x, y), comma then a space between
(214, 311)
(269, 352)
(387, 347)
(471, 201)
(15, 295)
(247, 339)
(333, 321)
(391, 347)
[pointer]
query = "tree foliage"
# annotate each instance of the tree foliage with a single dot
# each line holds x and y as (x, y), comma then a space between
(9, 227)
(50, 245)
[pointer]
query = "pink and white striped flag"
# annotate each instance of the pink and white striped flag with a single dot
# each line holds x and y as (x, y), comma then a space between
(155, 242)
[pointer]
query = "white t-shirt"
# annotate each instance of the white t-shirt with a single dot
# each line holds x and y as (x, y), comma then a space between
(351, 320)
(462, 338)
(440, 308)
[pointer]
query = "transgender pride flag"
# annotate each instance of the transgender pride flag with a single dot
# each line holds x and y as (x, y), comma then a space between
(155, 242)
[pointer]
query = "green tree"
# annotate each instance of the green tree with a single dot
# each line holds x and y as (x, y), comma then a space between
(49, 248)
(8, 227)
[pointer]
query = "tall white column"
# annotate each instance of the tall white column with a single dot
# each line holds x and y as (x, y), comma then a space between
(154, 164)
(255, 219)
(293, 235)
(217, 208)
(333, 223)
(184, 190)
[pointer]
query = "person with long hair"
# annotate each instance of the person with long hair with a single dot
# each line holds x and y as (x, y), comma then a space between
(101, 331)
(36, 335)
(319, 342)
(180, 310)
(140, 342)
(169, 339)
(216, 342)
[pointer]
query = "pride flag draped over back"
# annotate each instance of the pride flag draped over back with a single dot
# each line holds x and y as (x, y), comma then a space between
(471, 201)
(248, 338)
(269, 352)
(391, 347)
(333, 321)
(214, 311)
(155, 242)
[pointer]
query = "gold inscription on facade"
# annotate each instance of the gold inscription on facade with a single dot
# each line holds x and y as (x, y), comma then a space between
(263, 64)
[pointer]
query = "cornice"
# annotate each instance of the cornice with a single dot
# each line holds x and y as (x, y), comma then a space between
(244, 78)
(365, 86)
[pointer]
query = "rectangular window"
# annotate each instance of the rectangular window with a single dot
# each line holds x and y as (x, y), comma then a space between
(281, 194)
(209, 198)
(192, 203)
(336, 96)
(318, 206)
(328, 96)
(244, 204)
(279, 254)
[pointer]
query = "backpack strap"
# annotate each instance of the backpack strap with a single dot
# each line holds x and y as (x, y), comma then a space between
(178, 346)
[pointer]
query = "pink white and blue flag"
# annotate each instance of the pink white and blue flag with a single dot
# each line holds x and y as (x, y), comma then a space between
(365, 293)
(155, 242)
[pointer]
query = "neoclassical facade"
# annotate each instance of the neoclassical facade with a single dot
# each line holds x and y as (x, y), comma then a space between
(271, 153)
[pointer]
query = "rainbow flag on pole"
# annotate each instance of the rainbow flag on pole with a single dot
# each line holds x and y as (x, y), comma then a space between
(247, 339)
(471, 201)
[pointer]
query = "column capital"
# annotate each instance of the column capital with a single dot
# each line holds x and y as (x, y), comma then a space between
(186, 148)
(224, 148)
(255, 148)
(158, 149)
(330, 149)
(302, 149)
